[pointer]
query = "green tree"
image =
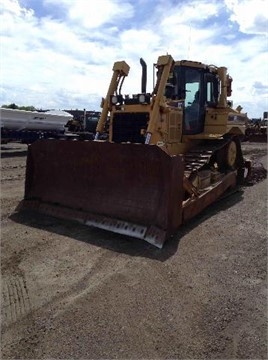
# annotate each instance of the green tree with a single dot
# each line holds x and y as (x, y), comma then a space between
(14, 106)
(10, 106)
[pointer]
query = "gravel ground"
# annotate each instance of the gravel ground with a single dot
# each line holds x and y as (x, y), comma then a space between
(74, 292)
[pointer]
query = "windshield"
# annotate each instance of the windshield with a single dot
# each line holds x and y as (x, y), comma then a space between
(184, 83)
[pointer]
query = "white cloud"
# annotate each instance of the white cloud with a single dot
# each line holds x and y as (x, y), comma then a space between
(11, 6)
(65, 57)
(93, 14)
(251, 16)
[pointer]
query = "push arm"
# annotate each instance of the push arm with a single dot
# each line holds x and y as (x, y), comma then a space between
(164, 65)
(120, 71)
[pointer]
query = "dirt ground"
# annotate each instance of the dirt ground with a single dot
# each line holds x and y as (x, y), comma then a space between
(74, 292)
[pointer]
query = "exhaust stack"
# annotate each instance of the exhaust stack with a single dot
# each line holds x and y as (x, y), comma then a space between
(144, 76)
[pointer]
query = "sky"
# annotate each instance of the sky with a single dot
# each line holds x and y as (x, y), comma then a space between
(59, 54)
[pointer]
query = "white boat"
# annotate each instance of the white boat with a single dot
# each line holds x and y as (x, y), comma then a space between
(52, 120)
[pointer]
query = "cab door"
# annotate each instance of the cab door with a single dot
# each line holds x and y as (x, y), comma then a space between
(194, 104)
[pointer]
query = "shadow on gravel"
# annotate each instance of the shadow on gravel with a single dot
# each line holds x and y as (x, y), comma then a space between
(120, 243)
(13, 153)
(10, 148)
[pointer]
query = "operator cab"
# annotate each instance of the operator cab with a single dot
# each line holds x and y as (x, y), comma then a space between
(199, 88)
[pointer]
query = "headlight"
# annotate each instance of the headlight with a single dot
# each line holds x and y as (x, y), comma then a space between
(142, 98)
(114, 99)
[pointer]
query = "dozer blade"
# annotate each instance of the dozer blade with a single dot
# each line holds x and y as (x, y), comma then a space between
(130, 189)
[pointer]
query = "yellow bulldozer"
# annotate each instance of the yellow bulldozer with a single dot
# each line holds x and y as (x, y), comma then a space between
(168, 154)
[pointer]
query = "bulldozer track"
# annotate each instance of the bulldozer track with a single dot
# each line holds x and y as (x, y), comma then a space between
(16, 301)
(200, 156)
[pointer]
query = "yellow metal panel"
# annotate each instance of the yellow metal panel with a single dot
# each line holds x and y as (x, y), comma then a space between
(174, 126)
(178, 148)
(164, 60)
(121, 66)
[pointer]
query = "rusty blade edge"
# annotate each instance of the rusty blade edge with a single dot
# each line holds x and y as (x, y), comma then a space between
(151, 234)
